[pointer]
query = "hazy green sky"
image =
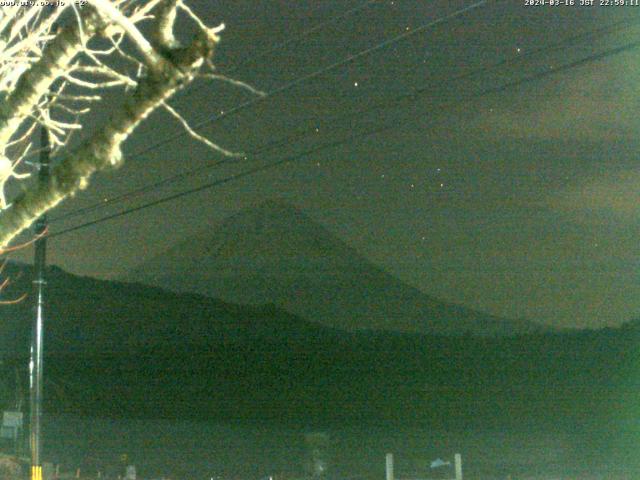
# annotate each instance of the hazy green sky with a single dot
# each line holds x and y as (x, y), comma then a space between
(523, 203)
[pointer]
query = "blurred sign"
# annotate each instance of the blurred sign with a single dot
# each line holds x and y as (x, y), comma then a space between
(11, 424)
(130, 472)
(439, 463)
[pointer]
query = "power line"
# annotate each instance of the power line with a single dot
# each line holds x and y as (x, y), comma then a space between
(210, 185)
(591, 58)
(304, 34)
(289, 41)
(294, 83)
(384, 104)
(389, 126)
(283, 44)
(172, 179)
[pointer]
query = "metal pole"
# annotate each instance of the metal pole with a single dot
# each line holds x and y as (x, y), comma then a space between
(39, 282)
(389, 466)
(458, 466)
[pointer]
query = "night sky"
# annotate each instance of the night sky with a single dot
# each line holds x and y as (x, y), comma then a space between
(522, 202)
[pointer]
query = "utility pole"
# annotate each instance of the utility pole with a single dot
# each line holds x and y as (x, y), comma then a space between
(39, 283)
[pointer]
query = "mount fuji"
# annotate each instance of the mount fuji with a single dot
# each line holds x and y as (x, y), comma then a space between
(275, 253)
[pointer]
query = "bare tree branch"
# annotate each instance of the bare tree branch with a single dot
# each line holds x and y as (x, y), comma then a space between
(49, 76)
(197, 136)
(103, 149)
(36, 82)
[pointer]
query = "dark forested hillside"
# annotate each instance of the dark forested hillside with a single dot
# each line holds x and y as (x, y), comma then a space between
(134, 351)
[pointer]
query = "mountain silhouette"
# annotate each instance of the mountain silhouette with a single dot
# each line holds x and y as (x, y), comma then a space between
(131, 350)
(88, 315)
(275, 253)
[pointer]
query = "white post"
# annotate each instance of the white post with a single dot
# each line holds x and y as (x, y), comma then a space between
(389, 464)
(458, 465)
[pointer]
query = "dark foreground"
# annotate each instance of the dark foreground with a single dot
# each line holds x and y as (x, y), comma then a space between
(200, 450)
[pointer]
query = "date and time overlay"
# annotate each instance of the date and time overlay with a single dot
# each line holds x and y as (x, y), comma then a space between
(581, 3)
(527, 3)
